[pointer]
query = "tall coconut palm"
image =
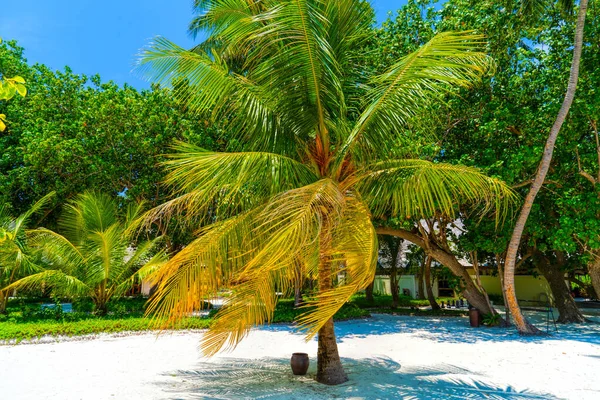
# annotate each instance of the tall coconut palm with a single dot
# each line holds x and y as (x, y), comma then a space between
(320, 154)
(16, 260)
(96, 257)
(531, 8)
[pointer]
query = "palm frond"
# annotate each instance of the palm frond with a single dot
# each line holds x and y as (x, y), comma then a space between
(354, 258)
(241, 105)
(420, 189)
(150, 266)
(36, 207)
(253, 254)
(449, 60)
(226, 182)
(199, 270)
(105, 252)
(56, 250)
(61, 283)
(88, 212)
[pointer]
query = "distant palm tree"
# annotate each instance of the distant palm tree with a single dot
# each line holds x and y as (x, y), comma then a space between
(321, 152)
(16, 260)
(96, 257)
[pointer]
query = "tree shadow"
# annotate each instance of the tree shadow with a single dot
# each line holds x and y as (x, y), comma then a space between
(454, 329)
(381, 378)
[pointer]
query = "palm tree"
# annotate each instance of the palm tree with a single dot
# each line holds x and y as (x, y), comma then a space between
(96, 257)
(15, 258)
(531, 8)
(320, 154)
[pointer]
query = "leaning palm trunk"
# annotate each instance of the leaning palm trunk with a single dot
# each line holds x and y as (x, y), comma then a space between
(523, 326)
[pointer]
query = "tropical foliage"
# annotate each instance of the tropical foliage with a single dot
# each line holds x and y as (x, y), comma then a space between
(97, 256)
(9, 87)
(16, 261)
(320, 153)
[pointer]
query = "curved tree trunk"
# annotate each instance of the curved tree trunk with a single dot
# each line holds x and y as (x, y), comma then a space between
(3, 301)
(428, 284)
(523, 326)
(329, 365)
(567, 308)
(594, 272)
(469, 289)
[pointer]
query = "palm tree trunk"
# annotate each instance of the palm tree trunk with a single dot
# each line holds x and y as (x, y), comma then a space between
(428, 284)
(523, 326)
(329, 365)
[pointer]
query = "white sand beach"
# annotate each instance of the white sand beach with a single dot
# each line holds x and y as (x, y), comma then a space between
(385, 357)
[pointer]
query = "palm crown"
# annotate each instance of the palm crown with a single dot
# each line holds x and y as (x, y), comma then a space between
(318, 155)
(95, 256)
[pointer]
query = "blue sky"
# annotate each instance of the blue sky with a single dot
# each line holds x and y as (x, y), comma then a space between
(103, 37)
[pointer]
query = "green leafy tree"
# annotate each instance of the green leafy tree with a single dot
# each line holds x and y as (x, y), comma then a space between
(16, 259)
(9, 87)
(502, 127)
(318, 157)
(97, 256)
(72, 133)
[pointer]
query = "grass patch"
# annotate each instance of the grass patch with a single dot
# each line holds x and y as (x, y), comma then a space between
(32, 330)
(26, 321)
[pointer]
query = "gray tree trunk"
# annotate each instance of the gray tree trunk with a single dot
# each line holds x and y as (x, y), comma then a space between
(567, 308)
(429, 284)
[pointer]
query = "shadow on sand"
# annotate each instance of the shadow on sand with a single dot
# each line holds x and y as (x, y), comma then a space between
(374, 378)
(454, 329)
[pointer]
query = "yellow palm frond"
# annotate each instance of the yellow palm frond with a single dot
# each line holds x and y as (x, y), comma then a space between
(419, 188)
(254, 254)
(353, 256)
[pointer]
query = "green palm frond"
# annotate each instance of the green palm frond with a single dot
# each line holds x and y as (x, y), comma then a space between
(419, 188)
(61, 283)
(56, 250)
(533, 9)
(229, 182)
(23, 219)
(105, 252)
(88, 212)
(236, 101)
(449, 60)
(150, 266)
